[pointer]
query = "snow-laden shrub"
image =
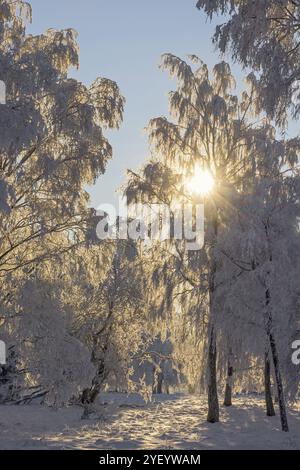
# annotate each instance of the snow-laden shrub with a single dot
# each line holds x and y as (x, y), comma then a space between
(53, 360)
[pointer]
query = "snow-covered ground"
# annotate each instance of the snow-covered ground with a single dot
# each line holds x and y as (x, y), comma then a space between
(170, 422)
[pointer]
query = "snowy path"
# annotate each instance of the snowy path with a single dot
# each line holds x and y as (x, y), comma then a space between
(171, 422)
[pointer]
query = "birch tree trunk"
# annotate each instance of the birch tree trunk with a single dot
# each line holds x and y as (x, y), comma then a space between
(281, 399)
(276, 363)
(268, 391)
(272, 341)
(89, 395)
(229, 382)
(213, 402)
(212, 388)
(158, 382)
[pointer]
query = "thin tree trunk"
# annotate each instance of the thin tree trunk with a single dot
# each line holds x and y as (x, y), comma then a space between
(275, 357)
(213, 402)
(281, 399)
(268, 392)
(89, 395)
(158, 382)
(212, 388)
(229, 382)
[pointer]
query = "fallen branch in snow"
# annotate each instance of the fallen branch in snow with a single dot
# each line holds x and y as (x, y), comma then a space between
(28, 398)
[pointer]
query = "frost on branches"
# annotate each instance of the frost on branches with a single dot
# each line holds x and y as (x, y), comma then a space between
(264, 36)
(52, 146)
(256, 189)
(52, 141)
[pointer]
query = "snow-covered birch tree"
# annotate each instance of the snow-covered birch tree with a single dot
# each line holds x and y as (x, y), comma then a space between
(263, 35)
(214, 129)
(209, 129)
(52, 140)
(52, 145)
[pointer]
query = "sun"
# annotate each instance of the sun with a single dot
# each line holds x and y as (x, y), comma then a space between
(201, 182)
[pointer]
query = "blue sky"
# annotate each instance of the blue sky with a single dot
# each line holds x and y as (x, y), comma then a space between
(123, 40)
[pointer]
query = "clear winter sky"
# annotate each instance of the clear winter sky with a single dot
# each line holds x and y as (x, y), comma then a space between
(123, 40)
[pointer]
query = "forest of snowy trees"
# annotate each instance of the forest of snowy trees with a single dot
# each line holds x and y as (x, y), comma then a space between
(81, 316)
